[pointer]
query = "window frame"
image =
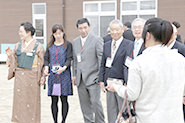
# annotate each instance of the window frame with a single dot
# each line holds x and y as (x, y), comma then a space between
(138, 12)
(100, 12)
(42, 17)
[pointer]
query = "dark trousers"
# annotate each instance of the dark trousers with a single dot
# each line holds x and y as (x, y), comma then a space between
(184, 111)
(54, 107)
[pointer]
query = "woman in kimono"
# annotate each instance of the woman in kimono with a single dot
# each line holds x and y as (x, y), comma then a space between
(26, 64)
(57, 61)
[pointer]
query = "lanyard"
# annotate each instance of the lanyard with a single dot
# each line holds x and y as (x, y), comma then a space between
(131, 56)
(56, 59)
(56, 53)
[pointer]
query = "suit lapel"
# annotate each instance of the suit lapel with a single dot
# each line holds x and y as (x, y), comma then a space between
(141, 49)
(87, 43)
(119, 51)
(174, 46)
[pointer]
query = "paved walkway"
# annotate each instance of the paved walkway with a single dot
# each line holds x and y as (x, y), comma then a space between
(6, 101)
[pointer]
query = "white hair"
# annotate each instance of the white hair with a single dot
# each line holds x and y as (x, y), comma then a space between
(116, 21)
(138, 19)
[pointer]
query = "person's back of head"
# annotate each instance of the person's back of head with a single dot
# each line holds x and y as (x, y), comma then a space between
(127, 24)
(160, 29)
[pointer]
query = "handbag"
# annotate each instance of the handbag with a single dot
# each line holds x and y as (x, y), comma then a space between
(127, 116)
(56, 89)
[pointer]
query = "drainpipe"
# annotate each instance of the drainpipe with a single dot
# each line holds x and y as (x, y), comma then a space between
(63, 13)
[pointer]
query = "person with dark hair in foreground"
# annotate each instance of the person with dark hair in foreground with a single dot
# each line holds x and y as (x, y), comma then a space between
(26, 65)
(156, 79)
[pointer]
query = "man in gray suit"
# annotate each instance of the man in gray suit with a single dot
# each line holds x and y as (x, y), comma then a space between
(87, 53)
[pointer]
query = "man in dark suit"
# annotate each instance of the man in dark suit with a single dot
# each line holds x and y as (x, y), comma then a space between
(128, 32)
(112, 66)
(174, 44)
(137, 30)
(177, 25)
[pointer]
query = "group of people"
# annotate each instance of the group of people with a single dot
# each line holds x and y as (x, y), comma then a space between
(145, 62)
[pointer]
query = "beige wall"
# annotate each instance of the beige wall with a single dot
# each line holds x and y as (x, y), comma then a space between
(13, 12)
(173, 10)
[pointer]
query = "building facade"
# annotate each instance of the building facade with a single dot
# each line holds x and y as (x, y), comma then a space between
(45, 13)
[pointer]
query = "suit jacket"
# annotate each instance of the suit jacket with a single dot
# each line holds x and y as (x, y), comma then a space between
(91, 54)
(128, 35)
(117, 69)
(130, 54)
(107, 38)
(178, 38)
(180, 47)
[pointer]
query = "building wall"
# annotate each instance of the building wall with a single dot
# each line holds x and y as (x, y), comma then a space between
(173, 10)
(13, 12)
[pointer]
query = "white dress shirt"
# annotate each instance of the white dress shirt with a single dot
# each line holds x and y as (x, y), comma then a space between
(156, 82)
(137, 46)
(83, 40)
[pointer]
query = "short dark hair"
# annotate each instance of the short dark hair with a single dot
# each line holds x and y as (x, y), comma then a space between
(81, 21)
(28, 27)
(128, 24)
(162, 30)
(177, 24)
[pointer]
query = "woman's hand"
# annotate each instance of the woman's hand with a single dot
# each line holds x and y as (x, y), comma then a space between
(61, 69)
(42, 80)
(46, 71)
(9, 51)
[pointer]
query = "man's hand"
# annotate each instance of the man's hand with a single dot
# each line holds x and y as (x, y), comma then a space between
(74, 80)
(110, 87)
(102, 86)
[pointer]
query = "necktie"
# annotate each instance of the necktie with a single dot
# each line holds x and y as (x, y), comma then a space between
(114, 47)
(82, 41)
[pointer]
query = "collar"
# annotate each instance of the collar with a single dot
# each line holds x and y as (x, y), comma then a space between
(149, 49)
(140, 41)
(83, 39)
(171, 45)
(27, 43)
(118, 42)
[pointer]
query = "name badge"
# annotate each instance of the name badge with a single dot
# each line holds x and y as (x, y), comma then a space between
(79, 57)
(108, 62)
(128, 61)
(29, 54)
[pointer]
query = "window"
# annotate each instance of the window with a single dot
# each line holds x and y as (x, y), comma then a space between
(100, 14)
(131, 9)
(39, 21)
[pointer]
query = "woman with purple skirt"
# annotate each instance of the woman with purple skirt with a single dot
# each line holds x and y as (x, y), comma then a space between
(57, 62)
